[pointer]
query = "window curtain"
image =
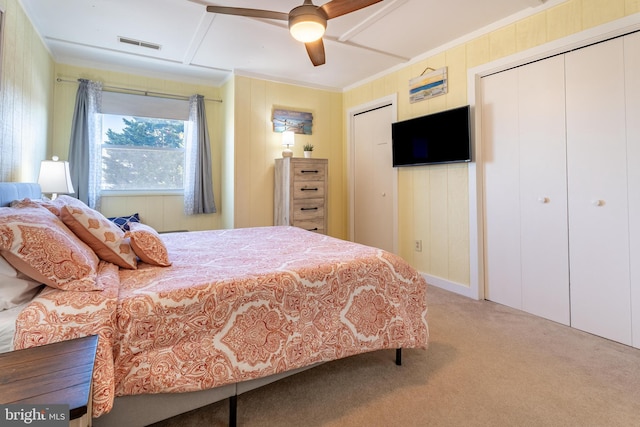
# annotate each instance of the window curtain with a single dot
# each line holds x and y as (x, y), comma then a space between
(198, 192)
(84, 146)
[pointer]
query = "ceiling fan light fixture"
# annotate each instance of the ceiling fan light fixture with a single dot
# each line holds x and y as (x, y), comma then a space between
(307, 24)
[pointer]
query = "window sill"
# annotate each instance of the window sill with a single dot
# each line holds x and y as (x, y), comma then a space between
(136, 193)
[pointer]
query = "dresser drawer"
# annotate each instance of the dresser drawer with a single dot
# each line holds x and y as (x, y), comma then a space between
(308, 189)
(317, 225)
(305, 210)
(310, 171)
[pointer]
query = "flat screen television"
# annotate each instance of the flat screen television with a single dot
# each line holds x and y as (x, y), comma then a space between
(442, 137)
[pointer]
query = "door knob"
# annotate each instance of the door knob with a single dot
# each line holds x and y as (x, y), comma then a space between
(543, 199)
(597, 202)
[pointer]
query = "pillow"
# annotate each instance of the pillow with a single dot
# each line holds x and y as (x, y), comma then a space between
(15, 287)
(123, 221)
(104, 237)
(64, 200)
(53, 205)
(26, 203)
(148, 245)
(36, 242)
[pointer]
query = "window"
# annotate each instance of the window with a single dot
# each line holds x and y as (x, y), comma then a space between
(140, 153)
(142, 142)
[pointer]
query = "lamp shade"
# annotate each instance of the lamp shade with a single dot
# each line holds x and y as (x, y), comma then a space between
(287, 138)
(55, 177)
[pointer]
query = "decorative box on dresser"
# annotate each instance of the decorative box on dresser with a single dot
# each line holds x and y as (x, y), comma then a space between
(300, 194)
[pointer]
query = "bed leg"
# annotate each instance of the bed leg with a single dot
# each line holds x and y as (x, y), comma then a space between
(233, 410)
(398, 356)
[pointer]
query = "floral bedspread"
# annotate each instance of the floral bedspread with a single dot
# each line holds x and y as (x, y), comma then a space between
(237, 305)
(56, 315)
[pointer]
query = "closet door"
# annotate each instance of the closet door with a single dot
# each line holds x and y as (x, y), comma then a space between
(526, 250)
(500, 150)
(597, 181)
(543, 190)
(632, 83)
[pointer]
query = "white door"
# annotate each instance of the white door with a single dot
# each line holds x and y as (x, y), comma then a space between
(597, 180)
(500, 151)
(523, 140)
(543, 190)
(374, 179)
(632, 84)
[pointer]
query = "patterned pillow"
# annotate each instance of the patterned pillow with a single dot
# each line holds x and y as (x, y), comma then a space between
(148, 245)
(123, 221)
(26, 203)
(35, 242)
(53, 205)
(64, 200)
(104, 237)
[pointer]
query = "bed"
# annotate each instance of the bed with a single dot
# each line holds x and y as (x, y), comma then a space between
(208, 315)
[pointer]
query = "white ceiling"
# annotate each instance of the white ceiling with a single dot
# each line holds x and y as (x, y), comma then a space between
(201, 47)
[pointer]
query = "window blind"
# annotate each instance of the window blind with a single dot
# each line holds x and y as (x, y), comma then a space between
(126, 104)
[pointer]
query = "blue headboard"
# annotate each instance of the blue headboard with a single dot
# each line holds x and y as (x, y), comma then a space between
(10, 191)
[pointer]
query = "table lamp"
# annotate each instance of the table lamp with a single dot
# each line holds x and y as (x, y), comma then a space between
(55, 177)
(287, 140)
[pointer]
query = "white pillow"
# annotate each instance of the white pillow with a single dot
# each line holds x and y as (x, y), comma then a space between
(15, 287)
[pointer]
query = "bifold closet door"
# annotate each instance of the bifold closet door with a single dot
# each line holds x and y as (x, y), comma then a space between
(501, 154)
(632, 84)
(597, 181)
(543, 190)
(523, 140)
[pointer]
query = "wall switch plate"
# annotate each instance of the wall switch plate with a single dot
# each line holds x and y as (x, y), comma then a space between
(417, 246)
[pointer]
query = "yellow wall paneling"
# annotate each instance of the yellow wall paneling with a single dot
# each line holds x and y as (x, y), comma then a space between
(26, 97)
(257, 146)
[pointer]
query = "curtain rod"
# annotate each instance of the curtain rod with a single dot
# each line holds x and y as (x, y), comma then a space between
(145, 92)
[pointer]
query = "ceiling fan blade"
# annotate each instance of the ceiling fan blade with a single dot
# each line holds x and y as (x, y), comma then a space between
(253, 13)
(336, 8)
(316, 52)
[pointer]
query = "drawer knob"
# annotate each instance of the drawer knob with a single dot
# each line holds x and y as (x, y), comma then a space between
(309, 171)
(309, 189)
(308, 209)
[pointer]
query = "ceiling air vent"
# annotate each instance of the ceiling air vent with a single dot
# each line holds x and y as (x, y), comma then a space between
(138, 43)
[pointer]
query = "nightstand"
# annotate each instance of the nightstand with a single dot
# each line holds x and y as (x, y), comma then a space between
(58, 373)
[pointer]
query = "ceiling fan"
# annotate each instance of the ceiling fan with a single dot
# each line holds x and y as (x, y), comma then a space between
(307, 22)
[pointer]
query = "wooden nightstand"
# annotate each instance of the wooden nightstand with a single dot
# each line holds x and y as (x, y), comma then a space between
(58, 373)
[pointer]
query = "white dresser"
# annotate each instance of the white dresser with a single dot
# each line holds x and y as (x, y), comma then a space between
(300, 193)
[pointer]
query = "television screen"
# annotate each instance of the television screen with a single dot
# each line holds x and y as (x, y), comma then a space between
(442, 137)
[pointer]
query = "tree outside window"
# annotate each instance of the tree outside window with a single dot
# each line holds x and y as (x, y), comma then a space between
(140, 153)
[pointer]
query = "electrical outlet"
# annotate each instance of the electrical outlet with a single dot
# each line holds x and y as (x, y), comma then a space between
(417, 246)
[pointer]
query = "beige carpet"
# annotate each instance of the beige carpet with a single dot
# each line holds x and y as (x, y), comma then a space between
(486, 365)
